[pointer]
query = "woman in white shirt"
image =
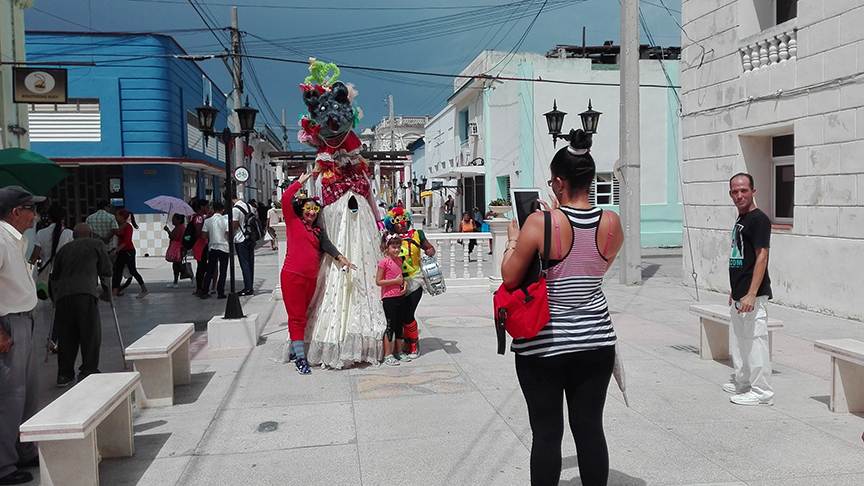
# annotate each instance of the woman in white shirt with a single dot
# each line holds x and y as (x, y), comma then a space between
(48, 242)
(51, 238)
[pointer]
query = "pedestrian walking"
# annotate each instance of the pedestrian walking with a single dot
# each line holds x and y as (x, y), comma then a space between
(74, 280)
(199, 249)
(468, 225)
(748, 301)
(124, 254)
(272, 220)
(389, 278)
(19, 388)
(245, 247)
(175, 247)
(104, 224)
(215, 231)
(574, 354)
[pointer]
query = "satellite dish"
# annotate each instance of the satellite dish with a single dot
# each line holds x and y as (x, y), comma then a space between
(616, 170)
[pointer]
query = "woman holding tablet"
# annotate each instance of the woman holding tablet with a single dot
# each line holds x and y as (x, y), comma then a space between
(573, 355)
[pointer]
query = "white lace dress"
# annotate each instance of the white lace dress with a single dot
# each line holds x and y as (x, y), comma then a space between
(346, 320)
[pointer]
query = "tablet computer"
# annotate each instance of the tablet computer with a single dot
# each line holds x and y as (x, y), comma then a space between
(524, 200)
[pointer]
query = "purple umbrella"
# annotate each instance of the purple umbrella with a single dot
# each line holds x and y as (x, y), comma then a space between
(170, 205)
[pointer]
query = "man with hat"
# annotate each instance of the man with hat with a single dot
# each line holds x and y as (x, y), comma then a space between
(18, 386)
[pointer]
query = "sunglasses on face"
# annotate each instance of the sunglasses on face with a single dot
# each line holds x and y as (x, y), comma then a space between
(314, 208)
(29, 207)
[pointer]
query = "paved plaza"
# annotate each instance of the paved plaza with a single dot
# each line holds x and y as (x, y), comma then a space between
(456, 415)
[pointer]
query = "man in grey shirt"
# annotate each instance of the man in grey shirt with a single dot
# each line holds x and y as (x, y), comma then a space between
(75, 289)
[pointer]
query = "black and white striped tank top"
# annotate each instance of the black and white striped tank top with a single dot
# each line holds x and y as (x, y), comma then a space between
(579, 315)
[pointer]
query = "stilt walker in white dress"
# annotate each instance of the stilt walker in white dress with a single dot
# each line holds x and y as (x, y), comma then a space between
(346, 319)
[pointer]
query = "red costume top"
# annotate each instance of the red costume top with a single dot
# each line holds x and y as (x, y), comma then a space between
(303, 250)
(339, 162)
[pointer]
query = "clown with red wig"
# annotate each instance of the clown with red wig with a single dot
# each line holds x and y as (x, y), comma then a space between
(398, 222)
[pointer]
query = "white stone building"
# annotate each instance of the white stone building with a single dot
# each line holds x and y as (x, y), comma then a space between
(774, 88)
(492, 134)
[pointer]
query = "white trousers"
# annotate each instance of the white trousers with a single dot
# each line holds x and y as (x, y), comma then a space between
(748, 345)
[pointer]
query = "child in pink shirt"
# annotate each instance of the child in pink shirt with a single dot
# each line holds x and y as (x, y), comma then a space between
(389, 278)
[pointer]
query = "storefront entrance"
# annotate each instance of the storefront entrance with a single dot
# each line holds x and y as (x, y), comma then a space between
(79, 193)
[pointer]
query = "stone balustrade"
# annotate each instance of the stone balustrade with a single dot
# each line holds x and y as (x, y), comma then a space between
(769, 50)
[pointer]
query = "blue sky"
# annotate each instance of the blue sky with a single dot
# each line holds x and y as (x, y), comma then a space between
(390, 34)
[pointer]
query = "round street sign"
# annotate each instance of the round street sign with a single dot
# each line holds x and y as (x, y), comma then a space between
(241, 174)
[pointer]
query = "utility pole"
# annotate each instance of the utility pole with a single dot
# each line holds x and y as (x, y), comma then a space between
(284, 133)
(631, 205)
(392, 127)
(239, 156)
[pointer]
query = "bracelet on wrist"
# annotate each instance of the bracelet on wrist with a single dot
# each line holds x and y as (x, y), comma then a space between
(512, 239)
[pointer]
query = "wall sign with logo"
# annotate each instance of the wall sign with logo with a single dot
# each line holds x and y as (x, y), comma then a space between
(33, 85)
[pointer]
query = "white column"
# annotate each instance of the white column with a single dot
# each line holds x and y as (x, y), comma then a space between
(631, 272)
(498, 227)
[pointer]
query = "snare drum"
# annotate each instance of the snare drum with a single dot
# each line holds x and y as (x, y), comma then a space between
(433, 279)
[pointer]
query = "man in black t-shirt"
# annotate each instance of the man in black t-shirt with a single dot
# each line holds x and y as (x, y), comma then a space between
(751, 289)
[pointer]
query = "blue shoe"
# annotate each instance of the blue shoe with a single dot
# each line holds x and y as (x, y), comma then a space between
(302, 366)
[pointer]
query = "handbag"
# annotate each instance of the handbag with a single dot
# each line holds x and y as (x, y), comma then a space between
(186, 271)
(175, 252)
(524, 311)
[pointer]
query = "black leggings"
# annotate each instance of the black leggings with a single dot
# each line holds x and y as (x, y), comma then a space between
(125, 258)
(393, 309)
(584, 377)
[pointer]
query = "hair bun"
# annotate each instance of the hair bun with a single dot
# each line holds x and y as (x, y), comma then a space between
(580, 140)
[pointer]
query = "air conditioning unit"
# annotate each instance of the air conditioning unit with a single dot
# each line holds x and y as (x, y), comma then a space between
(473, 129)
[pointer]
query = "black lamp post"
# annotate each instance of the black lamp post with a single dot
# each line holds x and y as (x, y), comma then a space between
(555, 120)
(206, 120)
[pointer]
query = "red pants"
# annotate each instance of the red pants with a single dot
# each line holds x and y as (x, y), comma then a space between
(297, 292)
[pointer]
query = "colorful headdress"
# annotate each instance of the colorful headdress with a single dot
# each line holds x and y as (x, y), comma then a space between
(395, 216)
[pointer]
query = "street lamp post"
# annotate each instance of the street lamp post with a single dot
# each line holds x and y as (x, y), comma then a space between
(206, 121)
(555, 120)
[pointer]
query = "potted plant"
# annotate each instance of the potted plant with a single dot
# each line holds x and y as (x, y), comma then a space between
(499, 206)
(416, 206)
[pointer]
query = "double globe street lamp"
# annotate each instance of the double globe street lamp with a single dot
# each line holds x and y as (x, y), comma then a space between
(206, 119)
(555, 119)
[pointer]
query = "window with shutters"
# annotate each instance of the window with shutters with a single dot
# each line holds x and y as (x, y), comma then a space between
(605, 190)
(77, 120)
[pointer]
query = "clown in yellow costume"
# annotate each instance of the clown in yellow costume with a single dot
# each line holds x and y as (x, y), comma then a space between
(398, 221)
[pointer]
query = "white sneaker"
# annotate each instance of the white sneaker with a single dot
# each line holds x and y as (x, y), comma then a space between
(172, 286)
(750, 398)
(734, 389)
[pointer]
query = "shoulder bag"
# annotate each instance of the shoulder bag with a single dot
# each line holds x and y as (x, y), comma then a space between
(524, 311)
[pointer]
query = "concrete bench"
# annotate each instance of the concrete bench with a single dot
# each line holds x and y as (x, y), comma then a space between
(162, 358)
(714, 322)
(91, 421)
(847, 373)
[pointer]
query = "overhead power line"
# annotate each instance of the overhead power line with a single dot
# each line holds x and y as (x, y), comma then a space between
(340, 9)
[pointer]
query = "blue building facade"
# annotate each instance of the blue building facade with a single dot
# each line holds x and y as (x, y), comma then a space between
(129, 131)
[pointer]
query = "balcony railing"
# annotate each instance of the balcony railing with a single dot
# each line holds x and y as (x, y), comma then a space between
(769, 50)
(457, 266)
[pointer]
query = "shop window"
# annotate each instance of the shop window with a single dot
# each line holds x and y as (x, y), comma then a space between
(783, 178)
(605, 190)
